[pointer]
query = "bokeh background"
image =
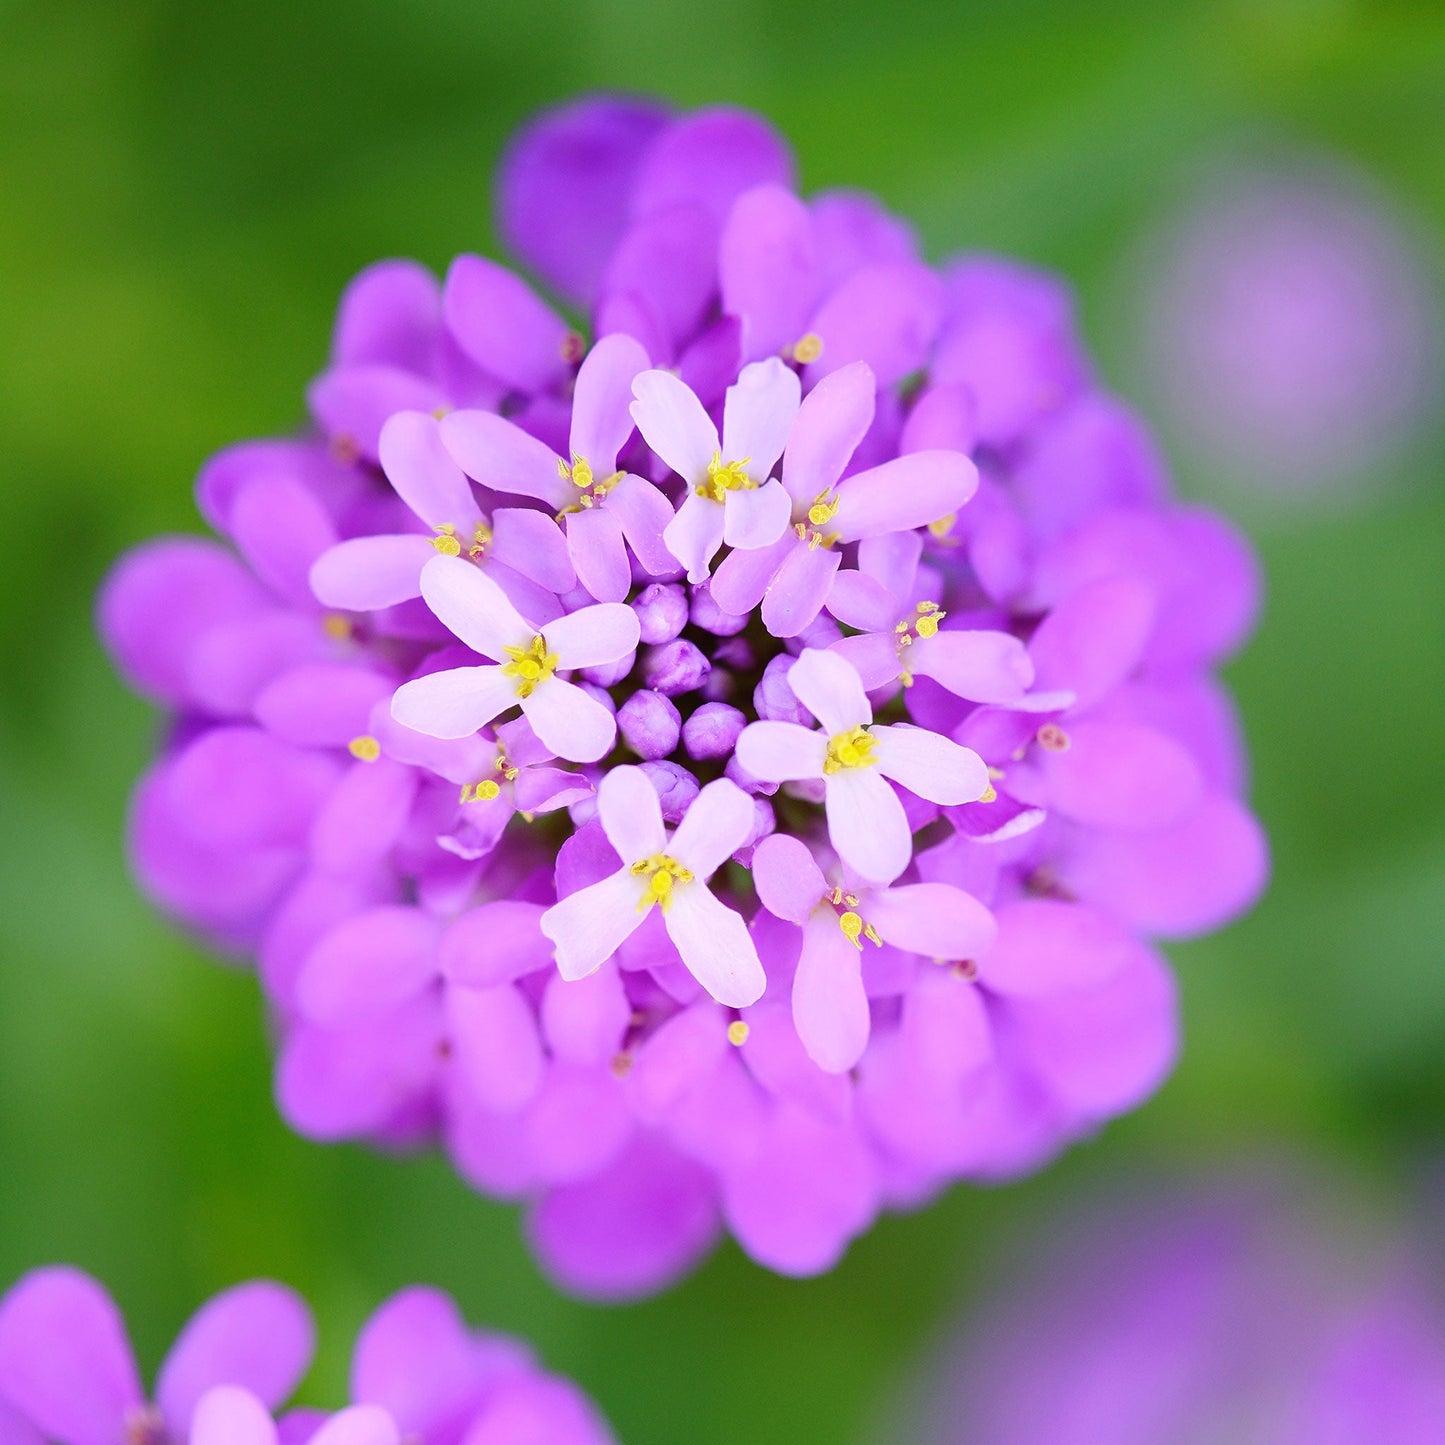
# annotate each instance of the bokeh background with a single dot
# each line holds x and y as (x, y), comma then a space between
(185, 188)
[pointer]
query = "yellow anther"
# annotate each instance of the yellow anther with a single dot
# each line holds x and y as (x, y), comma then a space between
(738, 1033)
(579, 473)
(724, 477)
(530, 665)
(855, 930)
(481, 540)
(943, 526)
(482, 792)
(506, 767)
(929, 616)
(823, 510)
(1052, 738)
(852, 749)
(445, 540)
(808, 347)
(573, 348)
(337, 626)
(365, 749)
(662, 873)
(989, 794)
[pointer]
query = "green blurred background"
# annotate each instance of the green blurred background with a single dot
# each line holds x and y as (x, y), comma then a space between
(185, 188)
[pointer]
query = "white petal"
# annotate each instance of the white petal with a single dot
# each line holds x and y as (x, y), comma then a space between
(758, 414)
(474, 607)
(757, 517)
(588, 926)
(929, 764)
(569, 721)
(714, 827)
(830, 1006)
(867, 825)
(828, 685)
(781, 752)
(455, 703)
(593, 636)
(674, 424)
(694, 534)
(631, 815)
(715, 945)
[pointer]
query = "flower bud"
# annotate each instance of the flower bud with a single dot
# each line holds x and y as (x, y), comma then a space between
(709, 616)
(775, 700)
(676, 788)
(661, 611)
(675, 668)
(712, 731)
(650, 724)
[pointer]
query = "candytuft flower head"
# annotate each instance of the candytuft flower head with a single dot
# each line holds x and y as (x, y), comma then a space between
(720, 760)
(419, 1373)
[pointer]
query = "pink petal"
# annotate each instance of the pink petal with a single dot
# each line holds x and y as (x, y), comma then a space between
(593, 636)
(936, 920)
(756, 518)
(1121, 775)
(494, 943)
(886, 314)
(570, 721)
(495, 1045)
(787, 877)
(501, 456)
(758, 414)
(673, 423)
(258, 1335)
(368, 965)
(715, 945)
(630, 813)
(229, 1415)
(590, 925)
(474, 607)
(830, 1007)
(982, 666)
(891, 559)
(64, 1358)
(910, 491)
(695, 534)
(1094, 638)
(423, 473)
(599, 553)
(834, 419)
(586, 1020)
(867, 825)
(601, 401)
(718, 823)
(455, 703)
(644, 512)
(831, 690)
(768, 268)
(797, 593)
(365, 574)
(1046, 947)
(928, 764)
(532, 544)
(504, 326)
(781, 752)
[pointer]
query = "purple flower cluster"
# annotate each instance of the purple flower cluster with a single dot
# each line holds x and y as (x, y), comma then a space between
(68, 1376)
(725, 773)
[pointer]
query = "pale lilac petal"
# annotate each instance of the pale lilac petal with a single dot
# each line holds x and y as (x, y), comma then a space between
(715, 945)
(929, 764)
(1094, 638)
(532, 544)
(796, 595)
(390, 312)
(830, 689)
(351, 402)
(644, 512)
(631, 816)
(872, 655)
(1046, 947)
(936, 920)
(599, 553)
(756, 518)
(504, 326)
(455, 703)
(64, 1358)
(494, 943)
(908, 492)
(495, 1045)
(858, 600)
(787, 877)
(833, 420)
(946, 1029)
(588, 926)
(416, 1358)
(758, 414)
(1121, 775)
(781, 752)
(867, 824)
(423, 473)
(592, 636)
(228, 1415)
(830, 1007)
(709, 158)
(891, 559)
(602, 400)
(358, 1425)
(571, 722)
(500, 455)
(885, 314)
(673, 423)
(258, 1335)
(717, 823)
(768, 269)
(982, 666)
(695, 534)
(472, 605)
(742, 578)
(368, 965)
(365, 574)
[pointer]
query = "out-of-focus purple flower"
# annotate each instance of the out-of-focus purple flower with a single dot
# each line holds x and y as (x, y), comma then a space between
(67, 1374)
(1242, 1316)
(796, 478)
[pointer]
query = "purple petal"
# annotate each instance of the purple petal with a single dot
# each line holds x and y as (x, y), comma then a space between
(944, 418)
(988, 667)
(908, 492)
(423, 473)
(872, 655)
(590, 925)
(577, 1124)
(64, 1357)
(787, 877)
(281, 529)
(352, 402)
(853, 230)
(742, 578)
(661, 280)
(833, 420)
(494, 943)
(230, 1415)
(360, 822)
(585, 1021)
(768, 269)
(830, 1008)
(258, 1335)
(602, 400)
(569, 720)
(231, 663)
(796, 594)
(369, 965)
(359, 1425)
(886, 314)
(532, 544)
(500, 455)
(867, 825)
(946, 1028)
(714, 941)
(1045, 947)
(829, 688)
(534, 1409)
(644, 512)
(932, 919)
(322, 704)
(365, 574)
(504, 326)
(1093, 639)
(1121, 775)
(928, 764)
(495, 1045)
(859, 600)
(391, 312)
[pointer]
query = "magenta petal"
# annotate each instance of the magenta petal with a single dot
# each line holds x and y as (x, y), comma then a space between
(885, 314)
(532, 544)
(946, 1029)
(873, 656)
(858, 600)
(1121, 775)
(679, 1054)
(64, 1357)
(362, 819)
(910, 491)
(797, 593)
(423, 474)
(585, 1021)
(989, 667)
(933, 919)
(768, 269)
(1093, 639)
(577, 1123)
(594, 537)
(495, 943)
(391, 313)
(353, 401)
(602, 401)
(832, 421)
(504, 326)
(665, 266)
(1045, 947)
(323, 704)
(16, 1429)
(631, 1229)
(281, 530)
(230, 664)
(368, 965)
(257, 1335)
(365, 574)
(494, 1042)
(854, 230)
(790, 885)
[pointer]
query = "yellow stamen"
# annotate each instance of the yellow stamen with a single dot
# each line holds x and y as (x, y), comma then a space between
(852, 749)
(989, 794)
(823, 509)
(943, 526)
(738, 1033)
(929, 616)
(855, 930)
(662, 873)
(337, 626)
(365, 749)
(808, 347)
(481, 540)
(482, 792)
(530, 665)
(724, 477)
(506, 767)
(446, 540)
(579, 473)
